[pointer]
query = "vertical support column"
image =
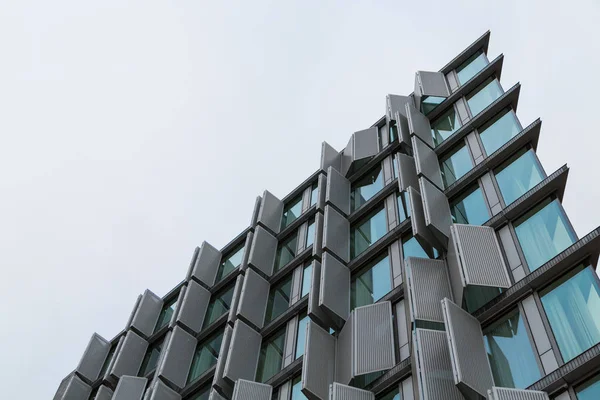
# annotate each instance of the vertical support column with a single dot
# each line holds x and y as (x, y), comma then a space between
(296, 291)
(540, 336)
(392, 213)
(491, 194)
(388, 169)
(512, 254)
(475, 147)
(463, 110)
(395, 254)
(289, 349)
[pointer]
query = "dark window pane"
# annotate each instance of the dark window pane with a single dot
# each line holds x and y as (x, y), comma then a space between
(455, 165)
(165, 314)
(470, 208)
(271, 354)
(205, 356)
(218, 306)
(573, 309)
(393, 133)
(499, 131)
(371, 285)
(394, 394)
(403, 206)
(286, 252)
(301, 335)
(310, 234)
(279, 299)
(291, 211)
(484, 95)
(543, 233)
(151, 358)
(314, 194)
(367, 232)
(430, 103)
(590, 390)
(520, 174)
(445, 126)
(230, 263)
(471, 67)
(366, 187)
(510, 353)
(306, 279)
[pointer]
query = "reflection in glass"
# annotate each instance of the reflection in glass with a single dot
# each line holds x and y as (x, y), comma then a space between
(151, 357)
(485, 95)
(230, 263)
(218, 306)
(412, 248)
(445, 126)
(510, 353)
(286, 252)
(205, 356)
(367, 232)
(166, 314)
(372, 284)
(310, 234)
(279, 299)
(590, 390)
(499, 130)
(306, 279)
(573, 308)
(518, 175)
(314, 194)
(471, 67)
(543, 233)
(455, 165)
(470, 208)
(301, 335)
(271, 354)
(403, 206)
(297, 389)
(430, 103)
(366, 187)
(291, 211)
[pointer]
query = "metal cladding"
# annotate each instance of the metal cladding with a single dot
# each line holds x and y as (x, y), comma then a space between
(340, 303)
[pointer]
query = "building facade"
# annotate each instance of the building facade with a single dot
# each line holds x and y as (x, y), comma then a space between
(429, 259)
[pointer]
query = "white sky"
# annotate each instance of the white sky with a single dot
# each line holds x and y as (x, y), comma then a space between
(131, 131)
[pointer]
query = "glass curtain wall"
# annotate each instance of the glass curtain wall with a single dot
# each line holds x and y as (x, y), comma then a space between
(471, 67)
(518, 175)
(483, 96)
(301, 335)
(205, 356)
(286, 252)
(372, 284)
(366, 187)
(367, 232)
(590, 390)
(166, 314)
(279, 299)
(445, 126)
(470, 208)
(499, 130)
(291, 211)
(218, 306)
(230, 263)
(271, 355)
(455, 165)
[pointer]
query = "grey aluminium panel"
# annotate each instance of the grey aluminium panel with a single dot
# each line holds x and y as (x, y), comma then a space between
(334, 291)
(427, 162)
(177, 359)
(418, 124)
(314, 311)
(343, 392)
(270, 212)
(146, 315)
(248, 390)
(193, 306)
(344, 353)
(417, 221)
(429, 83)
(72, 388)
(403, 331)
(407, 172)
(318, 363)
(437, 210)
(427, 285)
(207, 264)
(130, 388)
(104, 393)
(253, 298)
(130, 356)
(374, 347)
(336, 234)
(497, 393)
(218, 379)
(330, 157)
(317, 249)
(160, 391)
(235, 300)
(338, 190)
(470, 365)
(93, 358)
(262, 253)
(395, 104)
(242, 358)
(366, 144)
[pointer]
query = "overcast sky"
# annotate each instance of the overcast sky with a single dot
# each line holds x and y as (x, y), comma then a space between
(134, 130)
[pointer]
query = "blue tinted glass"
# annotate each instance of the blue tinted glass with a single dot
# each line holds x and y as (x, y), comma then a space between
(306, 278)
(544, 233)
(310, 234)
(573, 309)
(393, 395)
(470, 209)
(510, 353)
(500, 131)
(456, 165)
(518, 177)
(297, 390)
(471, 67)
(230, 263)
(166, 314)
(366, 187)
(589, 390)
(205, 356)
(445, 126)
(301, 336)
(271, 355)
(371, 285)
(395, 167)
(291, 211)
(367, 233)
(412, 248)
(484, 96)
(314, 194)
(428, 104)
(403, 206)
(286, 252)
(279, 299)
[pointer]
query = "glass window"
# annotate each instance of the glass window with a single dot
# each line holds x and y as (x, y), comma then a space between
(395, 166)
(471, 67)
(230, 263)
(203, 394)
(205, 356)
(301, 335)
(445, 126)
(455, 165)
(393, 394)
(484, 95)
(279, 299)
(403, 206)
(519, 175)
(590, 390)
(366, 187)
(165, 314)
(510, 353)
(291, 211)
(499, 130)
(470, 208)
(271, 354)
(306, 279)
(430, 103)
(314, 194)
(219, 305)
(371, 284)
(573, 308)
(108, 359)
(412, 248)
(393, 133)
(151, 357)
(310, 234)
(543, 233)
(366, 232)
(297, 389)
(286, 252)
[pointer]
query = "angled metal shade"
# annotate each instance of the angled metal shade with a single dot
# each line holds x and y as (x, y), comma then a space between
(130, 388)
(427, 162)
(338, 191)
(177, 357)
(318, 363)
(270, 212)
(244, 350)
(428, 285)
(262, 253)
(373, 336)
(207, 264)
(93, 358)
(334, 291)
(498, 393)
(146, 315)
(253, 298)
(437, 211)
(344, 392)
(249, 390)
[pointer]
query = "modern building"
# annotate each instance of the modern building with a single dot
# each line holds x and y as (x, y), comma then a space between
(429, 259)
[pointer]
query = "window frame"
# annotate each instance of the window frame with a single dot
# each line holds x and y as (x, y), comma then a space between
(288, 279)
(205, 340)
(491, 121)
(283, 243)
(380, 207)
(380, 177)
(451, 152)
(508, 162)
(279, 333)
(477, 90)
(215, 296)
(434, 122)
(463, 195)
(368, 266)
(233, 252)
(468, 62)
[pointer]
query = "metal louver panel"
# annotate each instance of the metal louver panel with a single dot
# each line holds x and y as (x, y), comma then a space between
(160, 391)
(437, 210)
(434, 369)
(248, 390)
(130, 356)
(344, 353)
(214, 395)
(475, 259)
(427, 162)
(336, 234)
(366, 144)
(374, 348)
(193, 306)
(72, 388)
(242, 358)
(262, 253)
(146, 314)
(318, 363)
(396, 104)
(235, 300)
(177, 358)
(334, 291)
(253, 299)
(103, 393)
(407, 172)
(497, 393)
(93, 358)
(417, 221)
(207, 264)
(314, 311)
(330, 157)
(218, 379)
(470, 365)
(428, 285)
(338, 190)
(317, 249)
(343, 392)
(418, 124)
(130, 388)
(429, 83)
(270, 212)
